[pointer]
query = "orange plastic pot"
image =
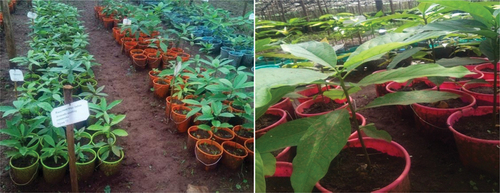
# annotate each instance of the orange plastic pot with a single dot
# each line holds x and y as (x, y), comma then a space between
(167, 108)
(166, 57)
(177, 50)
(154, 60)
(161, 90)
(150, 51)
(129, 46)
(119, 36)
(250, 151)
(116, 31)
(108, 22)
(184, 56)
(116, 22)
(136, 51)
(139, 61)
(220, 139)
(231, 160)
(209, 161)
(181, 121)
(126, 39)
(152, 76)
(143, 44)
(191, 140)
(240, 139)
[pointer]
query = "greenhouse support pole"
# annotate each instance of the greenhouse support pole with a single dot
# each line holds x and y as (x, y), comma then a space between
(70, 140)
(9, 37)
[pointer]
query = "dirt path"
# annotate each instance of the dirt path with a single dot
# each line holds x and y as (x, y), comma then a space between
(155, 156)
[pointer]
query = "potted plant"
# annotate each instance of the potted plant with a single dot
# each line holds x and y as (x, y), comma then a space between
(54, 160)
(195, 134)
(209, 153)
(85, 161)
(234, 154)
(82, 137)
(110, 156)
(272, 90)
(24, 163)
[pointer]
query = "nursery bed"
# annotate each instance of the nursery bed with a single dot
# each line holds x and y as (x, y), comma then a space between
(156, 157)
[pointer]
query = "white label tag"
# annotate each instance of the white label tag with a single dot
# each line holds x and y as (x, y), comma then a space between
(32, 15)
(16, 75)
(252, 16)
(127, 22)
(205, 0)
(177, 69)
(70, 113)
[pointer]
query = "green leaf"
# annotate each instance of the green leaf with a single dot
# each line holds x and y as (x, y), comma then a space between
(217, 88)
(371, 131)
(482, 14)
(166, 72)
(226, 115)
(269, 78)
(410, 97)
(120, 132)
(319, 52)
(487, 48)
(117, 119)
(49, 140)
(460, 25)
(262, 45)
(437, 80)
(458, 61)
(114, 103)
(191, 102)
(400, 57)
(414, 71)
(260, 180)
(317, 148)
(226, 82)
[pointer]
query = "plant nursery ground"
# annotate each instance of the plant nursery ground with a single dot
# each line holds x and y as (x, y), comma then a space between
(156, 157)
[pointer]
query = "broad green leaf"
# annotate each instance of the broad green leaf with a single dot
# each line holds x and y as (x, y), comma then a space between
(268, 78)
(319, 52)
(413, 71)
(6, 108)
(260, 180)
(9, 142)
(263, 44)
(408, 25)
(120, 132)
(487, 48)
(166, 72)
(410, 97)
(401, 56)
(437, 80)
(316, 149)
(117, 119)
(460, 25)
(275, 55)
(459, 61)
(371, 131)
(482, 14)
(114, 103)
(191, 101)
(226, 82)
(217, 88)
(49, 140)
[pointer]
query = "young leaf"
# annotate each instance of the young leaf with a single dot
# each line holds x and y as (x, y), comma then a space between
(371, 131)
(410, 97)
(319, 52)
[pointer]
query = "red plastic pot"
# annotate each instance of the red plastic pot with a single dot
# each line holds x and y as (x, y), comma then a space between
(431, 121)
(278, 112)
(380, 88)
(319, 99)
(284, 155)
(481, 99)
(313, 90)
(286, 105)
(405, 110)
(474, 152)
(283, 169)
(402, 183)
(458, 85)
(487, 75)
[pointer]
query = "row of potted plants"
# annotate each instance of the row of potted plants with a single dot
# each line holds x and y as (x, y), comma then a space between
(322, 138)
(58, 58)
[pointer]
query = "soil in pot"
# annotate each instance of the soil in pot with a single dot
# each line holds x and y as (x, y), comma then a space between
(181, 111)
(50, 162)
(278, 184)
(266, 120)
(112, 157)
(200, 134)
(235, 151)
(209, 149)
(244, 133)
(162, 82)
(322, 107)
(416, 86)
(89, 156)
(22, 162)
(250, 146)
(480, 127)
(483, 90)
(450, 103)
(347, 171)
(223, 134)
(100, 138)
(277, 152)
(82, 141)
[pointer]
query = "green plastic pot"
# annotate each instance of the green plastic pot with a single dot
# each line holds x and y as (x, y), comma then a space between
(86, 169)
(83, 84)
(88, 136)
(54, 175)
(24, 175)
(100, 133)
(109, 168)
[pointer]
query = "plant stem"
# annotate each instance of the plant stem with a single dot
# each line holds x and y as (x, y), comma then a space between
(356, 125)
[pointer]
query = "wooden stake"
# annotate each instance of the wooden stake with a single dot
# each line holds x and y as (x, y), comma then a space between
(70, 139)
(15, 88)
(9, 37)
